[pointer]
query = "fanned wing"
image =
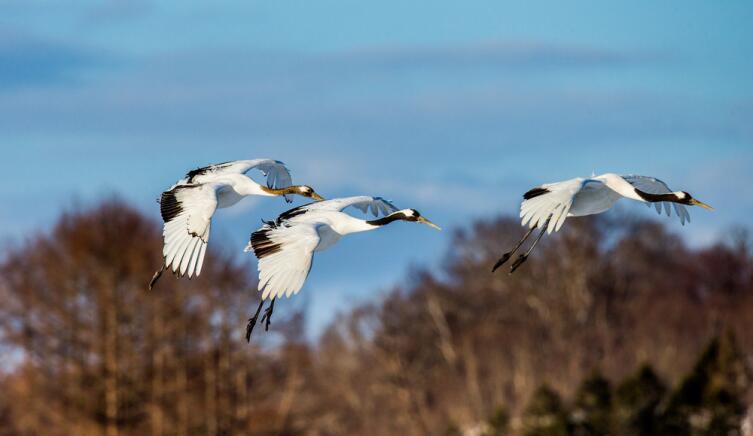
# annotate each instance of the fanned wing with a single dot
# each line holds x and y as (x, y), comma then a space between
(653, 185)
(187, 212)
(277, 174)
(550, 200)
(285, 255)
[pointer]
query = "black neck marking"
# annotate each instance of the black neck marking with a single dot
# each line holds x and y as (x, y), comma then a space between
(535, 192)
(388, 219)
(655, 198)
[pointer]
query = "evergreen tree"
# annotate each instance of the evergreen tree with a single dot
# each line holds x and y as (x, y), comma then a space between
(545, 414)
(498, 423)
(635, 403)
(453, 430)
(709, 401)
(592, 407)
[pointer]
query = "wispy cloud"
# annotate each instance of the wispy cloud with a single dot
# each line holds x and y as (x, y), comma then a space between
(233, 92)
(28, 61)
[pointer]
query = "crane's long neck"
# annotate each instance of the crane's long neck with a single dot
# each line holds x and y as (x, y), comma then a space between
(674, 197)
(622, 187)
(396, 216)
(244, 185)
(348, 224)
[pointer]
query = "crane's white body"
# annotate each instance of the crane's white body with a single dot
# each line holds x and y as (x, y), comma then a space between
(285, 248)
(593, 195)
(188, 206)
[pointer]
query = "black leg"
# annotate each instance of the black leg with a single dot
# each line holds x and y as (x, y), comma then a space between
(505, 257)
(522, 258)
(268, 314)
(252, 322)
(156, 277)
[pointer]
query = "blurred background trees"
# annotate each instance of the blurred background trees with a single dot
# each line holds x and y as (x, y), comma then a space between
(89, 351)
(614, 327)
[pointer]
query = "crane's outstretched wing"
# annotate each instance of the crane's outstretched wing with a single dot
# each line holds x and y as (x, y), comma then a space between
(187, 212)
(277, 174)
(365, 203)
(552, 200)
(285, 254)
(655, 186)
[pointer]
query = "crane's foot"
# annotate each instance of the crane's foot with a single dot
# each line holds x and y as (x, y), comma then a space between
(505, 257)
(156, 277)
(252, 322)
(250, 327)
(268, 315)
(519, 261)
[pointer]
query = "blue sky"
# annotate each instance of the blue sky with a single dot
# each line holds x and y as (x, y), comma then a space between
(452, 108)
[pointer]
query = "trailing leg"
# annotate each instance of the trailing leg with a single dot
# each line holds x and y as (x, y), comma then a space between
(522, 258)
(505, 257)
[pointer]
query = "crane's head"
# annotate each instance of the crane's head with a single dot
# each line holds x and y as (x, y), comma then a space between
(414, 216)
(305, 191)
(685, 198)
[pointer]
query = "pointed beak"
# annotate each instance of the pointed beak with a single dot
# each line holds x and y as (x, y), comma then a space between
(695, 202)
(317, 197)
(423, 220)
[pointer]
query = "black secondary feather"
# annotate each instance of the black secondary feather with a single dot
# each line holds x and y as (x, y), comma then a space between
(535, 192)
(261, 243)
(169, 205)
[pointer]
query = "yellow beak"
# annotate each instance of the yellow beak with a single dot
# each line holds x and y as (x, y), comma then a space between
(423, 220)
(317, 197)
(695, 202)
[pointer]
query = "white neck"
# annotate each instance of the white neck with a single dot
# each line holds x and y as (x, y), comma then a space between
(244, 185)
(620, 186)
(345, 224)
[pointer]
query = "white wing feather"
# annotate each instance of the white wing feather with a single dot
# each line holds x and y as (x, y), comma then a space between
(554, 203)
(655, 186)
(285, 256)
(187, 211)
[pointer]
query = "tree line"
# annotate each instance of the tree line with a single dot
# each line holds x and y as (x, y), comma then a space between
(614, 327)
